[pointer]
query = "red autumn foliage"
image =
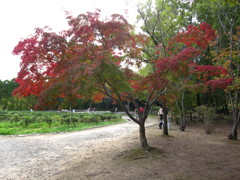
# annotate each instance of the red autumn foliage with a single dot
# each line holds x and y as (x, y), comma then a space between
(180, 64)
(85, 61)
(214, 84)
(204, 73)
(76, 62)
(196, 36)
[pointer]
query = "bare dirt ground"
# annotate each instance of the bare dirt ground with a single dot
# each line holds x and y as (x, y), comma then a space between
(101, 154)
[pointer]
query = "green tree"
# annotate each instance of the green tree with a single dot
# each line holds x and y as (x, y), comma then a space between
(9, 102)
(6, 98)
(225, 19)
(162, 20)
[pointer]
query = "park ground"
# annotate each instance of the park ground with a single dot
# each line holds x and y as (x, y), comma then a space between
(189, 155)
(112, 153)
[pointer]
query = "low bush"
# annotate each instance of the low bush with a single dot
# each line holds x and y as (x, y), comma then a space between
(206, 118)
(41, 122)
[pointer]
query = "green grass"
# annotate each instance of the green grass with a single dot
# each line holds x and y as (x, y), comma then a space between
(19, 122)
(8, 128)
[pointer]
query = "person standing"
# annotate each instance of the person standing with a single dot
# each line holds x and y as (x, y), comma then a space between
(160, 113)
(141, 109)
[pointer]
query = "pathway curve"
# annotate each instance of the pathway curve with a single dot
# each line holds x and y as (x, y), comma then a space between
(43, 156)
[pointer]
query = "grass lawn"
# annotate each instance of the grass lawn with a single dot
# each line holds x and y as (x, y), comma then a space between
(34, 123)
(8, 128)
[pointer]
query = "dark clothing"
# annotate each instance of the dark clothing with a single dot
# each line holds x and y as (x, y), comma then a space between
(161, 117)
(160, 124)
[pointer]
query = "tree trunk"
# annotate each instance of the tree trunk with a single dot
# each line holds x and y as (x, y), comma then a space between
(191, 116)
(143, 139)
(179, 111)
(233, 134)
(226, 110)
(183, 123)
(183, 116)
(235, 114)
(165, 127)
(233, 71)
(198, 100)
(21, 105)
(206, 99)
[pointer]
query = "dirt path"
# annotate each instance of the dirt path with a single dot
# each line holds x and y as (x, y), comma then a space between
(44, 156)
(189, 155)
(96, 154)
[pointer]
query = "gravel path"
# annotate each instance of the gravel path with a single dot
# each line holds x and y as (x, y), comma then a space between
(43, 156)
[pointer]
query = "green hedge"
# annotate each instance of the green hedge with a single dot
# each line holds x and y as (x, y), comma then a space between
(18, 122)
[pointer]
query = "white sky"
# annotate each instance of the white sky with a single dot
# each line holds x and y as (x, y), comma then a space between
(19, 18)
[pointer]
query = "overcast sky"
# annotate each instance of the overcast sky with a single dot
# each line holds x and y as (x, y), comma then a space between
(19, 18)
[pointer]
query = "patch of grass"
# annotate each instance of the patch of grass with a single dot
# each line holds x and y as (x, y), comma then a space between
(234, 141)
(210, 163)
(218, 167)
(230, 141)
(8, 128)
(8, 131)
(168, 137)
(136, 154)
(7, 124)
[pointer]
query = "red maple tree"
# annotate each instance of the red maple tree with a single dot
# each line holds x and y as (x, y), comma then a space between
(177, 65)
(86, 60)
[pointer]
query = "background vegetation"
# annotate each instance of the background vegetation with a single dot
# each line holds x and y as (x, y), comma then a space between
(161, 21)
(20, 122)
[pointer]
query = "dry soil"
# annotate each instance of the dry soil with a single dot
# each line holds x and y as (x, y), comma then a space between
(111, 153)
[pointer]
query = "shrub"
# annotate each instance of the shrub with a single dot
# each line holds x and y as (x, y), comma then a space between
(26, 120)
(35, 122)
(4, 116)
(48, 120)
(69, 119)
(206, 118)
(15, 118)
(88, 118)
